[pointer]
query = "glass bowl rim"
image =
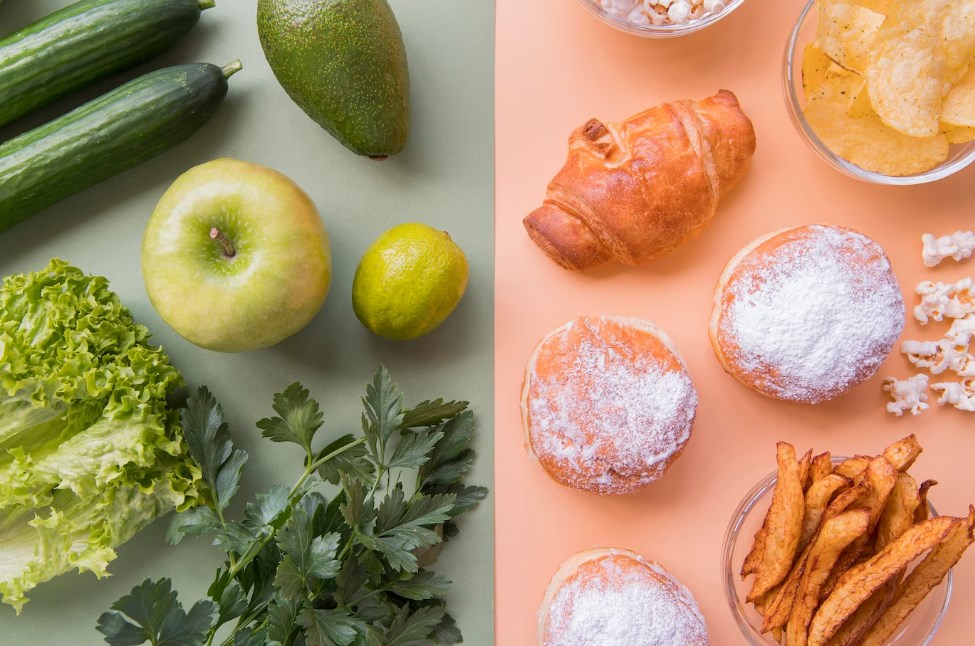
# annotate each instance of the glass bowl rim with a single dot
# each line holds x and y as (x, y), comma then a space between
(806, 132)
(728, 574)
(658, 31)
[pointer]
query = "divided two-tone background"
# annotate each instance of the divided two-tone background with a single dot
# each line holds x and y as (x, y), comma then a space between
(496, 91)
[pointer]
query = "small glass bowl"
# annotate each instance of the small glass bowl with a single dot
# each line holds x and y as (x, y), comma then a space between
(917, 630)
(658, 31)
(804, 32)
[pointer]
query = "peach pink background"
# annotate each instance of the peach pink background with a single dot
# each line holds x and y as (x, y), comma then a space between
(556, 67)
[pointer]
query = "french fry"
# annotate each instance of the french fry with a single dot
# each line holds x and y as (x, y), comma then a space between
(784, 524)
(852, 467)
(860, 582)
(878, 480)
(903, 453)
(754, 558)
(923, 512)
(898, 515)
(804, 465)
(854, 628)
(778, 610)
(817, 499)
(836, 534)
(821, 466)
(924, 577)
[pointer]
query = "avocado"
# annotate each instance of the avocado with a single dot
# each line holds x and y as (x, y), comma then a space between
(344, 63)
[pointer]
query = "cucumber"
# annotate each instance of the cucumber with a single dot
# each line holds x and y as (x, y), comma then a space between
(85, 42)
(113, 133)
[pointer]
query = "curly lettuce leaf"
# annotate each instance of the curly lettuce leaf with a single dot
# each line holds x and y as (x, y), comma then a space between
(90, 451)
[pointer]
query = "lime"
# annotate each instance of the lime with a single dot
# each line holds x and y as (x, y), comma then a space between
(409, 281)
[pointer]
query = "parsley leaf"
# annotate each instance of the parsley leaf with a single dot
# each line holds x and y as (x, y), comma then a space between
(306, 556)
(384, 410)
(209, 444)
(300, 417)
(352, 462)
(421, 587)
(414, 449)
(158, 618)
(431, 413)
(330, 627)
(414, 629)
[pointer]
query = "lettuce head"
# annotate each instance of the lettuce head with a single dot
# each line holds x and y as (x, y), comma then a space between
(90, 450)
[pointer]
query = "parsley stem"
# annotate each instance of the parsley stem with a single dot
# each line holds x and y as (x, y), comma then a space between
(235, 568)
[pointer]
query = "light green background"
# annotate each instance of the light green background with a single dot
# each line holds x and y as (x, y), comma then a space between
(445, 178)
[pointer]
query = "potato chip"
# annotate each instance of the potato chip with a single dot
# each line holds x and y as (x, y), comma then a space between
(860, 106)
(906, 79)
(880, 6)
(872, 145)
(958, 108)
(815, 64)
(958, 134)
(847, 32)
(958, 33)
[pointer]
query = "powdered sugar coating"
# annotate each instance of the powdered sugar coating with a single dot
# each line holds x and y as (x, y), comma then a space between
(808, 313)
(618, 599)
(607, 404)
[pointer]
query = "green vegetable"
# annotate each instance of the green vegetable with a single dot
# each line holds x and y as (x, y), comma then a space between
(122, 129)
(85, 42)
(305, 569)
(344, 63)
(90, 452)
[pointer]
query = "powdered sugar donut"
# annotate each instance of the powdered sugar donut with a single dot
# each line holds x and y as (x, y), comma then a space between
(612, 597)
(805, 314)
(607, 404)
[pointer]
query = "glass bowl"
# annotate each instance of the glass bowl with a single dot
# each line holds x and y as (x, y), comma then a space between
(804, 32)
(658, 31)
(917, 630)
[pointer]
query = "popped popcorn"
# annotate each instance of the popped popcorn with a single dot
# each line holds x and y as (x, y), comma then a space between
(938, 300)
(959, 245)
(960, 394)
(908, 394)
(662, 12)
(950, 353)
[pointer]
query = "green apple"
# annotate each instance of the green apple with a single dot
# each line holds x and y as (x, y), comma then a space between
(235, 257)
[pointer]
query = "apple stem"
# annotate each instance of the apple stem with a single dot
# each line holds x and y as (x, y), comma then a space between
(228, 246)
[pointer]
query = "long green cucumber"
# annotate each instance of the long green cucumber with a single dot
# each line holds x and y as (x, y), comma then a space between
(85, 42)
(113, 133)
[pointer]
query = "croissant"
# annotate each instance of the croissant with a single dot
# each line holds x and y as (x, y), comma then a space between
(636, 190)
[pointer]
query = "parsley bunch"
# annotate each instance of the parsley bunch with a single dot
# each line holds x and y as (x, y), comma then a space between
(303, 569)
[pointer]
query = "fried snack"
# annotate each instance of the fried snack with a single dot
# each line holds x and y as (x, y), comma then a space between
(818, 497)
(924, 578)
(878, 480)
(860, 582)
(784, 524)
(851, 634)
(836, 535)
(804, 465)
(923, 512)
(899, 512)
(754, 558)
(822, 466)
(778, 611)
(863, 525)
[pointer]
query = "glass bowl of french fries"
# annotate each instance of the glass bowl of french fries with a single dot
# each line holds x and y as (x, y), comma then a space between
(843, 545)
(874, 104)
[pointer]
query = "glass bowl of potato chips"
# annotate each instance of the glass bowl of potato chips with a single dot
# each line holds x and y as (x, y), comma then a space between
(918, 629)
(883, 97)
